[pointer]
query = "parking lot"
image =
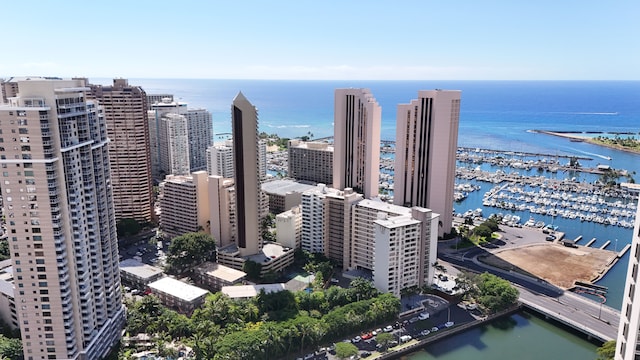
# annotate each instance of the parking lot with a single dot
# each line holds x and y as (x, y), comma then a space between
(444, 315)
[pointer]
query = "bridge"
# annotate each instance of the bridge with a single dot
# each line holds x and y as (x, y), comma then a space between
(594, 319)
(591, 318)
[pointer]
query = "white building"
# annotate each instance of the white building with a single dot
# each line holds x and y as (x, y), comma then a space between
(326, 221)
(178, 295)
(200, 130)
(60, 220)
(405, 248)
(426, 145)
(628, 342)
(174, 144)
(220, 160)
(289, 228)
(356, 141)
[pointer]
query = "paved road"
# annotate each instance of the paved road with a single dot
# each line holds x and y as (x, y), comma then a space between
(570, 308)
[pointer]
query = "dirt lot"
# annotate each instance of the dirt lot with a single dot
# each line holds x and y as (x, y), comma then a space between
(554, 263)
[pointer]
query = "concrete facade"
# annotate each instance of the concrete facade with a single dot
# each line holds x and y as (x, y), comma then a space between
(311, 161)
(60, 220)
(405, 247)
(356, 141)
(289, 228)
(185, 204)
(200, 133)
(628, 342)
(220, 160)
(244, 118)
(426, 145)
(125, 112)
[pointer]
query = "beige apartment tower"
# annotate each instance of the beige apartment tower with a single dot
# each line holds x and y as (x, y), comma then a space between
(628, 342)
(60, 220)
(244, 124)
(426, 145)
(125, 113)
(356, 156)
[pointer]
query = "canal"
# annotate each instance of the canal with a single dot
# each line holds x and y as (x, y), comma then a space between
(522, 336)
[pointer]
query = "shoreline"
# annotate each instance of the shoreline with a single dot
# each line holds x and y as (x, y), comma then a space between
(574, 136)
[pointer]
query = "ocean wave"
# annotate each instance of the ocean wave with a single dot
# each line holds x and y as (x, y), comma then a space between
(586, 113)
(287, 126)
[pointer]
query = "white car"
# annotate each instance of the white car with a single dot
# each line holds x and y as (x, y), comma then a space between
(423, 316)
(449, 324)
(388, 328)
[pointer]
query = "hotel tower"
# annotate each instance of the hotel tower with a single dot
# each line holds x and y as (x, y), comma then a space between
(125, 113)
(628, 343)
(356, 156)
(244, 123)
(426, 145)
(60, 220)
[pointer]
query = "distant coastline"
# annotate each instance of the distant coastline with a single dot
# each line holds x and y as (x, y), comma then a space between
(574, 136)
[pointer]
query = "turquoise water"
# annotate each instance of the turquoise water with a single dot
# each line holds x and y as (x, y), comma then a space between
(521, 336)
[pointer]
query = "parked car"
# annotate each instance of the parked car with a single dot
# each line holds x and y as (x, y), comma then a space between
(449, 324)
(423, 316)
(388, 328)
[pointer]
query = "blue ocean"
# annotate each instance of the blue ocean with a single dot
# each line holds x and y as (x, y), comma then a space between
(494, 115)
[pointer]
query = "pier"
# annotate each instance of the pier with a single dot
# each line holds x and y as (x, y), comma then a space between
(590, 242)
(624, 250)
(605, 245)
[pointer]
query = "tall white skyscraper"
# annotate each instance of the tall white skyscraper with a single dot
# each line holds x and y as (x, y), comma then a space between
(628, 343)
(174, 144)
(220, 160)
(60, 220)
(356, 156)
(200, 137)
(426, 145)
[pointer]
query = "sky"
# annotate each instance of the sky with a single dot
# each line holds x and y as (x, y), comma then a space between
(324, 39)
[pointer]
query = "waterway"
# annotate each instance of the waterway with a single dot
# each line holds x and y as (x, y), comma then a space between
(521, 336)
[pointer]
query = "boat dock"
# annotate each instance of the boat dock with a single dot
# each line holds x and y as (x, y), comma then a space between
(605, 245)
(590, 242)
(624, 250)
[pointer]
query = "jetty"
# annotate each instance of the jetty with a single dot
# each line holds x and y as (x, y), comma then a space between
(590, 242)
(605, 245)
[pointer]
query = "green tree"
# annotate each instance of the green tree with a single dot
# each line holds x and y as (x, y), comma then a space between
(362, 289)
(189, 250)
(345, 350)
(607, 351)
(482, 231)
(253, 269)
(496, 294)
(10, 348)
(128, 227)
(4, 250)
(384, 339)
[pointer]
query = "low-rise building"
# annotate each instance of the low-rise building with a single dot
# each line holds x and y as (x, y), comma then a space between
(137, 274)
(7, 299)
(215, 276)
(250, 291)
(273, 257)
(180, 296)
(284, 193)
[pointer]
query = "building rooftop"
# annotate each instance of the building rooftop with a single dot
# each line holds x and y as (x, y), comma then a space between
(178, 289)
(139, 269)
(282, 187)
(247, 291)
(379, 205)
(396, 221)
(269, 252)
(222, 272)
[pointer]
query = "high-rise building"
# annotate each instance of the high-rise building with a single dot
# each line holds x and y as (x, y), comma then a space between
(628, 342)
(174, 144)
(185, 204)
(244, 124)
(326, 221)
(222, 200)
(158, 98)
(356, 141)
(220, 160)
(289, 227)
(425, 160)
(125, 112)
(60, 220)
(405, 248)
(174, 126)
(311, 161)
(200, 130)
